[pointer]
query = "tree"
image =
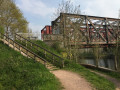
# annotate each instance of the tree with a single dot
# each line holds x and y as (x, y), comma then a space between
(1, 2)
(12, 18)
(66, 7)
(69, 7)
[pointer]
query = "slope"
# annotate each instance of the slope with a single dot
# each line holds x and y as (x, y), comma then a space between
(20, 73)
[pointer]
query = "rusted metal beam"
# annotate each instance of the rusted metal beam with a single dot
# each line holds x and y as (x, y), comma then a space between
(91, 29)
(96, 30)
(92, 17)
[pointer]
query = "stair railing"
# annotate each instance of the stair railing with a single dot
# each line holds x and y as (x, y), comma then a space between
(49, 56)
(21, 48)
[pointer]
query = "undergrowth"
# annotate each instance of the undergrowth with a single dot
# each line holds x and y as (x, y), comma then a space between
(100, 83)
(20, 73)
(50, 52)
(110, 73)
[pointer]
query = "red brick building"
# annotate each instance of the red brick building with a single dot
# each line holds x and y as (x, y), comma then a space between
(46, 30)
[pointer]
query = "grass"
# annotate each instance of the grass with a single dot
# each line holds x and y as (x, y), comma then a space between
(20, 73)
(39, 51)
(100, 83)
(110, 73)
(97, 81)
(55, 47)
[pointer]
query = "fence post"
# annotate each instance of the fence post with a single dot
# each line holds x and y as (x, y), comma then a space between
(0, 36)
(53, 58)
(34, 56)
(14, 36)
(45, 63)
(27, 53)
(19, 48)
(13, 45)
(26, 43)
(31, 44)
(45, 53)
(62, 63)
(20, 39)
(8, 41)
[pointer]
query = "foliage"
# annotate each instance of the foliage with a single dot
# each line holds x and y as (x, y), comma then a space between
(86, 55)
(113, 53)
(56, 46)
(50, 52)
(66, 6)
(20, 73)
(2, 30)
(110, 73)
(97, 81)
(11, 18)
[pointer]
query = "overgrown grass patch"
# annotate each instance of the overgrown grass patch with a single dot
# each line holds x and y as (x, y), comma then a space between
(20, 73)
(41, 49)
(97, 81)
(54, 48)
(100, 83)
(109, 73)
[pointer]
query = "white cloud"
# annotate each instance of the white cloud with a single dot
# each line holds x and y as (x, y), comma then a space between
(107, 8)
(35, 27)
(104, 8)
(36, 7)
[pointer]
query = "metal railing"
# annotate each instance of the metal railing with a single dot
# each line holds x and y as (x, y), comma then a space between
(21, 48)
(40, 51)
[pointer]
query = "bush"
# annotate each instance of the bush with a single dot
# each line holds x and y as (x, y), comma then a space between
(57, 47)
(21, 73)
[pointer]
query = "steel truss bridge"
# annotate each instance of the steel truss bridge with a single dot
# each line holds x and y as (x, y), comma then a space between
(85, 30)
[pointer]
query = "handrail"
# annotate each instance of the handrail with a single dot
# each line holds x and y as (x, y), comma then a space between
(39, 46)
(14, 42)
(54, 55)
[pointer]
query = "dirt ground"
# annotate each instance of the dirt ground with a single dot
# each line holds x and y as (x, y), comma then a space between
(72, 81)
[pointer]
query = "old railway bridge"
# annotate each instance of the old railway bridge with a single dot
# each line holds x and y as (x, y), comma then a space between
(88, 31)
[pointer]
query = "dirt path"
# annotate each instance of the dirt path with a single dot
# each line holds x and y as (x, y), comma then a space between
(71, 81)
(115, 81)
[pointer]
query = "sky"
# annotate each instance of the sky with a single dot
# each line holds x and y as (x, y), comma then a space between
(39, 12)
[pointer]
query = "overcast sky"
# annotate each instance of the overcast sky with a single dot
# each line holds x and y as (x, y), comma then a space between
(39, 12)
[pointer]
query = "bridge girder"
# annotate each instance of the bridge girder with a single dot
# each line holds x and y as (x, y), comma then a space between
(86, 29)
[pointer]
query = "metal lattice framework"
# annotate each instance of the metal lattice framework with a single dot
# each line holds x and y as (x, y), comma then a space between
(85, 29)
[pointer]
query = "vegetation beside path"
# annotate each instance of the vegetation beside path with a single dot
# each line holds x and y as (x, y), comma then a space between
(20, 73)
(100, 83)
(113, 74)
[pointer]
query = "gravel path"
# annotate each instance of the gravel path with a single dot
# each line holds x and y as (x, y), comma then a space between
(115, 81)
(72, 81)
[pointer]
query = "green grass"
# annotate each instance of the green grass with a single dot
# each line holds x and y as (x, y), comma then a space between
(55, 47)
(41, 52)
(20, 73)
(97, 81)
(100, 83)
(113, 74)
(110, 73)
